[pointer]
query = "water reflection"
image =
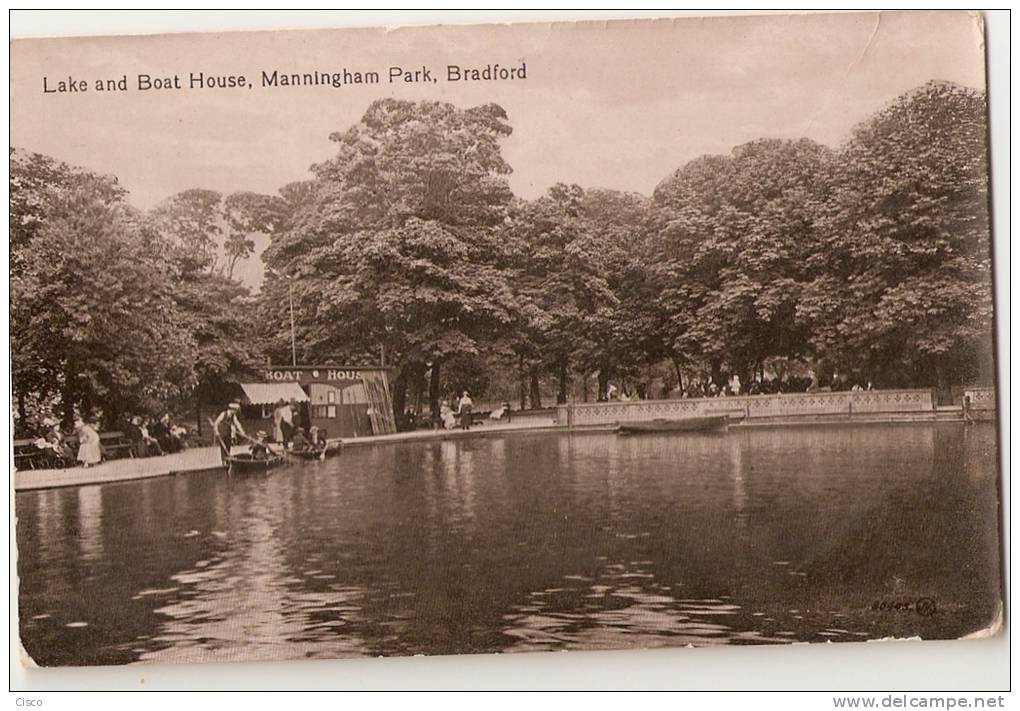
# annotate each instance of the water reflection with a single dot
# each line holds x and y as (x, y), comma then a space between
(90, 522)
(623, 607)
(542, 541)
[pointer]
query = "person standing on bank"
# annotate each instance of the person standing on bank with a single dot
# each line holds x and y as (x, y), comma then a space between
(89, 451)
(283, 421)
(226, 426)
(464, 410)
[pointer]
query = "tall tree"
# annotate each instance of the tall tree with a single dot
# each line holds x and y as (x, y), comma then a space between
(245, 214)
(903, 282)
(191, 224)
(399, 239)
(735, 235)
(93, 315)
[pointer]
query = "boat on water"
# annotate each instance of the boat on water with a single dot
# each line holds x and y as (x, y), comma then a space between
(686, 424)
(314, 454)
(246, 464)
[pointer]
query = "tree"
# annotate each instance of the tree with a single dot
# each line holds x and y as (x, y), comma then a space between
(736, 233)
(903, 285)
(190, 223)
(578, 277)
(624, 332)
(93, 315)
(35, 181)
(397, 240)
(554, 285)
(247, 213)
(205, 236)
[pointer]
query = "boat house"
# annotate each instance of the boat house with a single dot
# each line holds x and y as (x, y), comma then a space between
(345, 401)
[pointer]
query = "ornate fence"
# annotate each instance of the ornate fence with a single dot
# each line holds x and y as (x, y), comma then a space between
(750, 406)
(981, 398)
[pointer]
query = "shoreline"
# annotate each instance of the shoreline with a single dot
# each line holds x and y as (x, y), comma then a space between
(202, 459)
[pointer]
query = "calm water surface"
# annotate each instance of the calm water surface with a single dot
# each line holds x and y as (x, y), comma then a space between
(527, 542)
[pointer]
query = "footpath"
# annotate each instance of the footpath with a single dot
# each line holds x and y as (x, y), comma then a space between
(208, 458)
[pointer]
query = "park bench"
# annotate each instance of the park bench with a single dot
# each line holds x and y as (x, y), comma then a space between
(115, 445)
(26, 454)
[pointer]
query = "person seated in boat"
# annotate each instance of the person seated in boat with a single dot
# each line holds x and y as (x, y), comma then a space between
(299, 442)
(259, 448)
(317, 438)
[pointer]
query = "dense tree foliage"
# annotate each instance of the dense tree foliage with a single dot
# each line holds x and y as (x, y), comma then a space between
(93, 312)
(113, 310)
(901, 284)
(398, 242)
(735, 233)
(872, 259)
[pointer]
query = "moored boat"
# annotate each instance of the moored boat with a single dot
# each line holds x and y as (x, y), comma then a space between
(313, 454)
(686, 424)
(245, 464)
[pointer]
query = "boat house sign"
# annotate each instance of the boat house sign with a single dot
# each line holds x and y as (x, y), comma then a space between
(312, 375)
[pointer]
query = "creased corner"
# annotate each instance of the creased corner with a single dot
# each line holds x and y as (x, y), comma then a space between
(25, 658)
(993, 628)
(977, 20)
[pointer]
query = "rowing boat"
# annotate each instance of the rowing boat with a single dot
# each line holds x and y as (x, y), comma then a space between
(245, 464)
(686, 424)
(313, 454)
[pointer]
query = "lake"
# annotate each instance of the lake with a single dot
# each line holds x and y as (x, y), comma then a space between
(543, 541)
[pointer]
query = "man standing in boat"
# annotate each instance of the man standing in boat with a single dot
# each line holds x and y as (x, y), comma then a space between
(227, 426)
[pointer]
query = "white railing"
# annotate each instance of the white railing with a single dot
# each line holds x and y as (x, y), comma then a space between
(750, 406)
(981, 398)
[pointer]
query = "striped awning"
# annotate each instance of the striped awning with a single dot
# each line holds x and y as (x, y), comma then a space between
(271, 393)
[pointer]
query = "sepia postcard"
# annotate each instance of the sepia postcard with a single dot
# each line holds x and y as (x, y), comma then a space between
(493, 338)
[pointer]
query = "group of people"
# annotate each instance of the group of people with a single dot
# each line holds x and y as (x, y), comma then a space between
(57, 450)
(460, 409)
(229, 431)
(773, 386)
(151, 438)
(730, 386)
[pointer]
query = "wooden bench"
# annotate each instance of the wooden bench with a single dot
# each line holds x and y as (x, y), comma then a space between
(115, 445)
(26, 454)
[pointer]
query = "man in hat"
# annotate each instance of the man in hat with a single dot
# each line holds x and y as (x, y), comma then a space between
(226, 427)
(260, 446)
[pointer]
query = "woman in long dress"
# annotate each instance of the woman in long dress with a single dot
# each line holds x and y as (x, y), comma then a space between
(89, 451)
